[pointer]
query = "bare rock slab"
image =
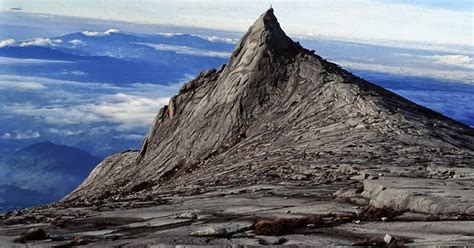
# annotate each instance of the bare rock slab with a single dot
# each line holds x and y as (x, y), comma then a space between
(429, 196)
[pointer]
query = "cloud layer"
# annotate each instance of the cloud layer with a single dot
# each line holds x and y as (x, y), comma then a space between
(77, 42)
(96, 33)
(187, 50)
(451, 75)
(455, 60)
(16, 61)
(21, 135)
(22, 85)
(7, 42)
(65, 102)
(41, 42)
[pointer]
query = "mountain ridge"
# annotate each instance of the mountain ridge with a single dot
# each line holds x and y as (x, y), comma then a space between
(289, 103)
(12, 197)
(46, 167)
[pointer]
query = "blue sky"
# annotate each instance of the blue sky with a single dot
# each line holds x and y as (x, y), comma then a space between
(426, 22)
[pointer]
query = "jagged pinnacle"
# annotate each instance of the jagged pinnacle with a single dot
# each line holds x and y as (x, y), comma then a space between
(263, 37)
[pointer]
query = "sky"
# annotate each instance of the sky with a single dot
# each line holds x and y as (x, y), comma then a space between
(426, 22)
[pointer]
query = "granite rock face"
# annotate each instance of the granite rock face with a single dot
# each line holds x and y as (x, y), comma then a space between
(278, 112)
(278, 147)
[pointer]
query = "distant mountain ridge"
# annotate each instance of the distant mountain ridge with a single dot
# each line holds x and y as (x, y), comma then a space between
(42, 172)
(67, 159)
(12, 197)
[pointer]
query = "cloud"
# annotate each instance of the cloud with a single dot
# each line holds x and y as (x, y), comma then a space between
(75, 73)
(77, 42)
(54, 114)
(464, 61)
(130, 136)
(55, 82)
(126, 109)
(7, 42)
(170, 34)
(456, 104)
(209, 38)
(220, 39)
(462, 76)
(41, 42)
(96, 33)
(21, 135)
(187, 50)
(8, 61)
(22, 85)
(63, 132)
(70, 103)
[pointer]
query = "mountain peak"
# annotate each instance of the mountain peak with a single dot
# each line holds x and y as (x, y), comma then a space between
(266, 35)
(276, 108)
(268, 19)
(269, 13)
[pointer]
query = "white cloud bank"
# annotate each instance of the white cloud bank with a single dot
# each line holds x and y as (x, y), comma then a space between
(22, 85)
(452, 75)
(128, 109)
(187, 50)
(62, 132)
(41, 42)
(77, 42)
(455, 60)
(96, 33)
(220, 39)
(21, 135)
(212, 38)
(69, 103)
(6, 42)
(9, 61)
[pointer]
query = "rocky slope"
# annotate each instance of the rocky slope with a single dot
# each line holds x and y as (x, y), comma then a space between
(277, 147)
(274, 112)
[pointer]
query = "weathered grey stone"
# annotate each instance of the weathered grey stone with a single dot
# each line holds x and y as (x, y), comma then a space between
(429, 196)
(191, 215)
(224, 230)
(388, 238)
(360, 177)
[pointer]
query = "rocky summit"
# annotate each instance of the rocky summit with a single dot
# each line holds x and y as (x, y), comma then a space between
(278, 147)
